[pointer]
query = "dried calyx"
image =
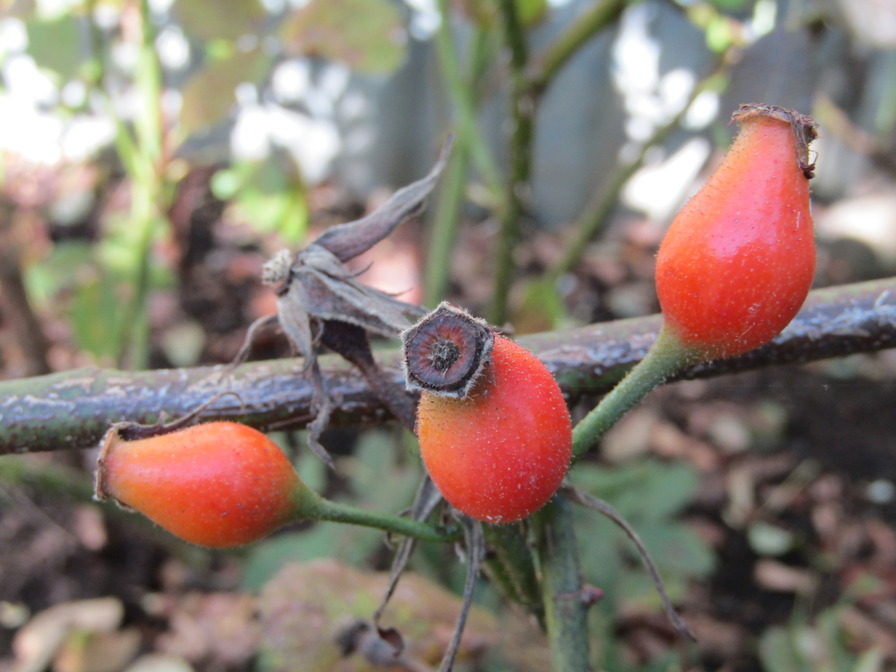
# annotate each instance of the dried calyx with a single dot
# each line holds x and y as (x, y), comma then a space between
(446, 352)
(321, 303)
(804, 128)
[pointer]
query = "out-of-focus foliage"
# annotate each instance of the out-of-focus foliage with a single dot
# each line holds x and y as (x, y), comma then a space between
(162, 87)
(175, 146)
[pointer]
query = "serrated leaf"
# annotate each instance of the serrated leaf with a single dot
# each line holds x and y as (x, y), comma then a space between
(47, 277)
(223, 19)
(366, 35)
(210, 94)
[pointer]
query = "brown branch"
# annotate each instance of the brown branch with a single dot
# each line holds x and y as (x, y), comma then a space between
(71, 410)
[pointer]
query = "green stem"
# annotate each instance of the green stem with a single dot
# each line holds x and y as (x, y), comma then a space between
(522, 114)
(462, 91)
(601, 15)
(468, 146)
(666, 357)
(147, 192)
(311, 506)
(511, 560)
(444, 230)
(566, 609)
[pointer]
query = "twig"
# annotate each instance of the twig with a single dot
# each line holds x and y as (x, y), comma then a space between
(565, 600)
(522, 119)
(73, 409)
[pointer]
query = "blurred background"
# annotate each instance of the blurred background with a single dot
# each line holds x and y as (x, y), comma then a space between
(153, 155)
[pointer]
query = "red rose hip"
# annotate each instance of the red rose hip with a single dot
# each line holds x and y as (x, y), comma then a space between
(219, 484)
(737, 262)
(498, 451)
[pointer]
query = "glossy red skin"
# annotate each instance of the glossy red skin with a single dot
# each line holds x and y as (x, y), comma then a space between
(501, 453)
(738, 260)
(220, 484)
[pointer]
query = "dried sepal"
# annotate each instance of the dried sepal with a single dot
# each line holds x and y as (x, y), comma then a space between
(320, 288)
(804, 128)
(276, 269)
(347, 241)
(446, 352)
(318, 297)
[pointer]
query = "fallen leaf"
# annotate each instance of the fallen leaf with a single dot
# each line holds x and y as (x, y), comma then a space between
(39, 640)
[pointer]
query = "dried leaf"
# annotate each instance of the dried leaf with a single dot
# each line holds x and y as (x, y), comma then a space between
(320, 287)
(37, 642)
(306, 608)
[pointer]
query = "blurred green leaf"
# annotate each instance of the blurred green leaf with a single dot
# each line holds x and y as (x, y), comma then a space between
(367, 35)
(769, 540)
(349, 543)
(719, 34)
(227, 19)
(94, 312)
(267, 195)
(777, 652)
(268, 557)
(677, 549)
(59, 271)
(487, 13)
(56, 45)
(640, 490)
(374, 463)
(209, 95)
(870, 661)
(541, 308)
(371, 465)
(821, 644)
(728, 4)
